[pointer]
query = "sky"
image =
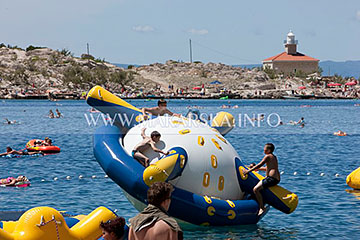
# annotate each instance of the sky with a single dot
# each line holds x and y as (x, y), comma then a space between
(149, 31)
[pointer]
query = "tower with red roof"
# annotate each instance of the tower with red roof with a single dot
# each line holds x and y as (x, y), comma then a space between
(291, 61)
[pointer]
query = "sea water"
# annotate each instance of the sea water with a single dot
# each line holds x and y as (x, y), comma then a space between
(314, 163)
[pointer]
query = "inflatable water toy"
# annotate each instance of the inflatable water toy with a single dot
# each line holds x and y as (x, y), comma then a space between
(45, 149)
(203, 167)
(45, 223)
(353, 179)
(340, 133)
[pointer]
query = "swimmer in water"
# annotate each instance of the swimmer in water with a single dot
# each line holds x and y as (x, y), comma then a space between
(9, 150)
(262, 116)
(301, 121)
(7, 121)
(59, 115)
(51, 114)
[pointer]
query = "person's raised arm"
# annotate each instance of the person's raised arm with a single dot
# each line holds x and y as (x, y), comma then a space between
(156, 149)
(259, 169)
(143, 135)
(257, 166)
(3, 154)
(171, 113)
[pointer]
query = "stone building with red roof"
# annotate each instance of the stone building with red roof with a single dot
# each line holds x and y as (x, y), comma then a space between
(291, 61)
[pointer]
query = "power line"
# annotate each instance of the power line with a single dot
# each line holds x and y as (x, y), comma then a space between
(222, 53)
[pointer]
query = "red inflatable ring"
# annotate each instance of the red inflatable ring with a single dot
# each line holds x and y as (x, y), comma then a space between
(30, 146)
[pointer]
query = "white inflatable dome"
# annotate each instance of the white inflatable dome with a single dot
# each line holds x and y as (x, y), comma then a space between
(210, 169)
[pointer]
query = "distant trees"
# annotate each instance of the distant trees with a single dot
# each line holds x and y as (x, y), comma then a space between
(270, 72)
(122, 77)
(31, 47)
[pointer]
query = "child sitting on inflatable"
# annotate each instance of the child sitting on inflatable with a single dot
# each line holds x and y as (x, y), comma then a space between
(272, 174)
(145, 144)
(11, 181)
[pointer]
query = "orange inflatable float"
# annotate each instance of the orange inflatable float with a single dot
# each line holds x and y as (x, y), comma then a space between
(33, 145)
(340, 133)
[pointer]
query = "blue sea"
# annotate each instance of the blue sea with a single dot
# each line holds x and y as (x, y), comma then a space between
(314, 163)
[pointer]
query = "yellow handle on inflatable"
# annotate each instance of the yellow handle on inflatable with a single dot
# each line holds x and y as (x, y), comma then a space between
(160, 171)
(88, 227)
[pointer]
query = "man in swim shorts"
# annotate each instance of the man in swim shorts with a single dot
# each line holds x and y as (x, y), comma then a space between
(160, 110)
(145, 144)
(272, 174)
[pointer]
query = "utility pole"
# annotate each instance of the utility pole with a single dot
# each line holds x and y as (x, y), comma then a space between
(190, 51)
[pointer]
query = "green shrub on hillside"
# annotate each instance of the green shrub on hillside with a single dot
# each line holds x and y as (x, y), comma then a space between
(121, 77)
(99, 60)
(66, 52)
(31, 47)
(270, 72)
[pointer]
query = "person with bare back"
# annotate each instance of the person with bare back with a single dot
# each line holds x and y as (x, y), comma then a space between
(146, 143)
(272, 174)
(160, 110)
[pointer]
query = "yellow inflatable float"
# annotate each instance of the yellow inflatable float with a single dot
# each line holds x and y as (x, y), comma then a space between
(353, 179)
(45, 223)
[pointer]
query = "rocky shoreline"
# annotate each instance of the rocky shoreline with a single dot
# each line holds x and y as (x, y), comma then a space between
(43, 73)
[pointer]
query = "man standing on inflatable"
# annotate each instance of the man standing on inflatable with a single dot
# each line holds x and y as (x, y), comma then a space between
(272, 174)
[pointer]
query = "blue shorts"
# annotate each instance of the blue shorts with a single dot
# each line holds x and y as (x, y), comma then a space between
(269, 182)
(133, 153)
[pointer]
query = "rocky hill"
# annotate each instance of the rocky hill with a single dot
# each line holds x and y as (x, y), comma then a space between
(44, 72)
(36, 70)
